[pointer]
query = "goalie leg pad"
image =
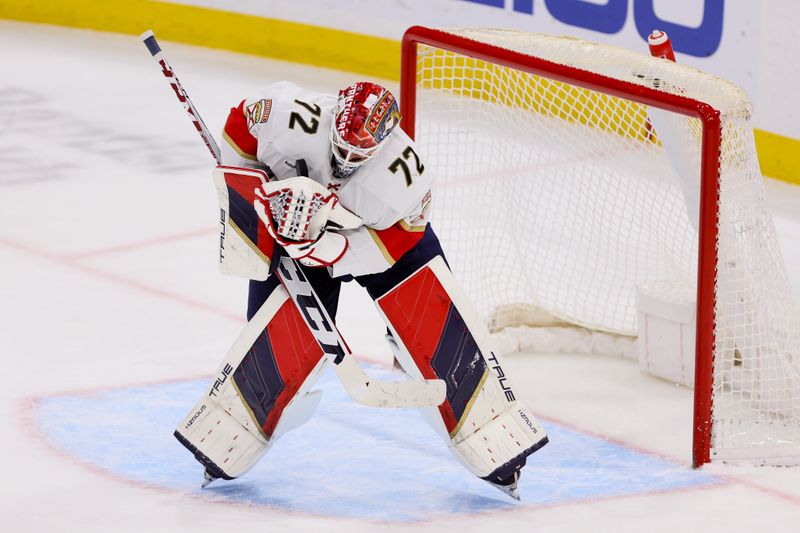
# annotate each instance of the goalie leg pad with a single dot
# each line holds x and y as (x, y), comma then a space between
(261, 391)
(441, 335)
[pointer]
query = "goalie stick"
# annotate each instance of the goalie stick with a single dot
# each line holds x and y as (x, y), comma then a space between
(360, 387)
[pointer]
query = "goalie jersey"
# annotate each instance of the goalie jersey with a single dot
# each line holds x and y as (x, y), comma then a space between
(390, 192)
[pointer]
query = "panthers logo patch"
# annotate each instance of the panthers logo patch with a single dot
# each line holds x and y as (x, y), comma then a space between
(258, 113)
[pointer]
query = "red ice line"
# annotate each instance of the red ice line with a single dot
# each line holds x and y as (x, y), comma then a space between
(73, 261)
(142, 244)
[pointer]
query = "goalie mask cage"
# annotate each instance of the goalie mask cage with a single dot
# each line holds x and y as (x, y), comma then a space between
(569, 173)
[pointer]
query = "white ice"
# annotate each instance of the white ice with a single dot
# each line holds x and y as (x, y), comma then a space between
(108, 252)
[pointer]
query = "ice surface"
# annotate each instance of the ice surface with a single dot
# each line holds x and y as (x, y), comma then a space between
(113, 309)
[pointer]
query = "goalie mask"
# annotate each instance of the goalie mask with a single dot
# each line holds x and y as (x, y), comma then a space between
(363, 118)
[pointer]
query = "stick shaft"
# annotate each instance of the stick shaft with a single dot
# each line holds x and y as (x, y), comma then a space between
(150, 42)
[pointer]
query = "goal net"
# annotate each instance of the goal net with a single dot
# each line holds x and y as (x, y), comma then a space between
(568, 174)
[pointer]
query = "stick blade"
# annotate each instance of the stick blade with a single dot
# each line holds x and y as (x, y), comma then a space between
(418, 393)
(374, 393)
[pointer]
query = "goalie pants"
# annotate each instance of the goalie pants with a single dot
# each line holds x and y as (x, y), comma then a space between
(377, 285)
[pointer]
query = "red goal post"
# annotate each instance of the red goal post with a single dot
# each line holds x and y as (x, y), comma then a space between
(643, 91)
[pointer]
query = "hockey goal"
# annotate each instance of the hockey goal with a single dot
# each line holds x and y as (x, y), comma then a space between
(588, 172)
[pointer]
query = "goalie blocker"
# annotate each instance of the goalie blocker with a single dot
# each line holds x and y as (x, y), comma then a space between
(263, 387)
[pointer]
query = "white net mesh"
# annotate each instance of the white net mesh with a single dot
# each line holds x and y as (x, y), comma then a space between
(557, 199)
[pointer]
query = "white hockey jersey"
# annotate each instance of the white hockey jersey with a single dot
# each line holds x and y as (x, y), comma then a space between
(390, 192)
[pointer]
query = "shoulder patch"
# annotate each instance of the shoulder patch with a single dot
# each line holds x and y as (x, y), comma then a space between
(426, 204)
(258, 113)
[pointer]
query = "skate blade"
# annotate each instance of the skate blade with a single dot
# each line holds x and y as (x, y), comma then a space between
(209, 479)
(511, 489)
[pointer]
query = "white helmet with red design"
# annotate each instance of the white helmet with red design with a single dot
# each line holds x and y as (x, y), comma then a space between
(364, 116)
